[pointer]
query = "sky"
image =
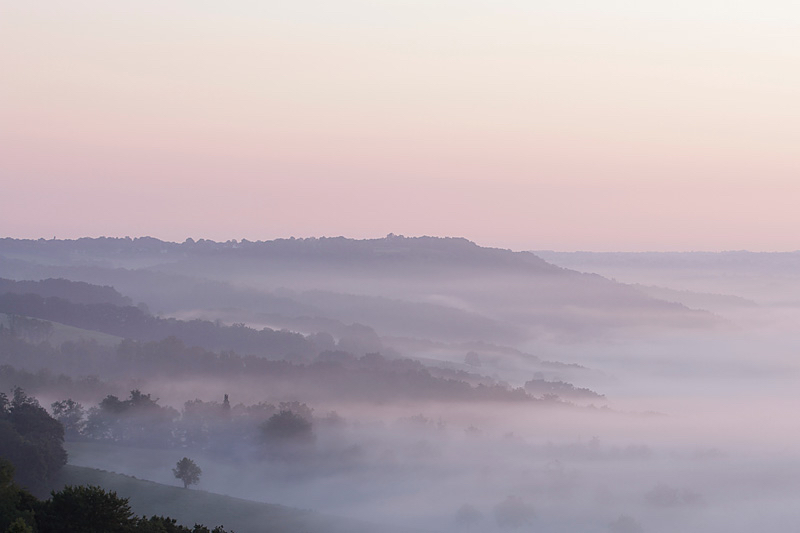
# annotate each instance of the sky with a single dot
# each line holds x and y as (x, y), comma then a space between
(564, 125)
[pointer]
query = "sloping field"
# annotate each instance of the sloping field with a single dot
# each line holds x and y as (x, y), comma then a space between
(189, 506)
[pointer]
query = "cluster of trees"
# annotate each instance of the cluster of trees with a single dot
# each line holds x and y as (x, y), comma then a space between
(58, 385)
(338, 374)
(32, 452)
(137, 420)
(30, 439)
(74, 291)
(135, 323)
(559, 389)
(76, 509)
(179, 348)
(140, 421)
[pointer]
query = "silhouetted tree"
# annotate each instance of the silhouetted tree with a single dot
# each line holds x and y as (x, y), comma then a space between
(16, 504)
(71, 415)
(31, 439)
(226, 406)
(187, 471)
(136, 420)
(287, 426)
(472, 359)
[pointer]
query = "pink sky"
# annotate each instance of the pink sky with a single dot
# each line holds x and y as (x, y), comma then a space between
(631, 126)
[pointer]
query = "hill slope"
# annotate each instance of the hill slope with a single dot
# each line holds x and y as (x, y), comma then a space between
(464, 291)
(191, 507)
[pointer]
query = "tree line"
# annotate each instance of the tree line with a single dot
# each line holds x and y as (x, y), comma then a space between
(331, 374)
(134, 323)
(32, 453)
(139, 420)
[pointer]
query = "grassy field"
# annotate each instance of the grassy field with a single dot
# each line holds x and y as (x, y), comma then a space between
(189, 506)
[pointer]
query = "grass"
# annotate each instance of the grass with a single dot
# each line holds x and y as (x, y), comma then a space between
(190, 507)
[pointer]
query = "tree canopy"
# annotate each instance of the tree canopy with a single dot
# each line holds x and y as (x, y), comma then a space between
(30, 439)
(187, 471)
(77, 509)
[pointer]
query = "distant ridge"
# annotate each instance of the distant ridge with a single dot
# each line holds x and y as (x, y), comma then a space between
(391, 248)
(440, 288)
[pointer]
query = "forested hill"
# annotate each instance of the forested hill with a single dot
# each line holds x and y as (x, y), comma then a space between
(133, 323)
(75, 291)
(464, 291)
(388, 251)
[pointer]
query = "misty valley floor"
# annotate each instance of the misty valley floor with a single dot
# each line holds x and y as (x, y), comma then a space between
(472, 389)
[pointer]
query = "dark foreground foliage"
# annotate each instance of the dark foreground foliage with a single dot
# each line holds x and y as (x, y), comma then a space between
(77, 509)
(30, 439)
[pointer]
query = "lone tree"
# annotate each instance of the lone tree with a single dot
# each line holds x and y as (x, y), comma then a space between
(187, 471)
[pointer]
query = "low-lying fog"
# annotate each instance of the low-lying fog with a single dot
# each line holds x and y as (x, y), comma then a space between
(701, 434)
(697, 429)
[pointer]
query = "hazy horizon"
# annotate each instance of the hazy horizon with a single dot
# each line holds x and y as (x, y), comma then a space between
(223, 239)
